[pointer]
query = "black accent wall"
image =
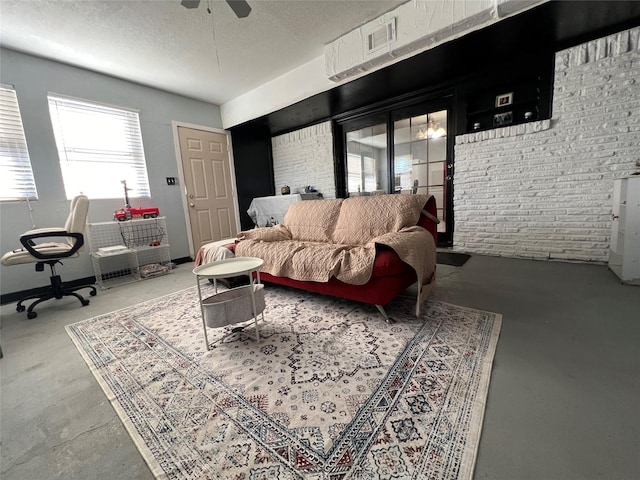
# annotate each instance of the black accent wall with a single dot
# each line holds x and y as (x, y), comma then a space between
(253, 166)
(518, 50)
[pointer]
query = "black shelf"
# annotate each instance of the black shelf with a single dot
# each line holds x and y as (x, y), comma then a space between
(483, 114)
(516, 105)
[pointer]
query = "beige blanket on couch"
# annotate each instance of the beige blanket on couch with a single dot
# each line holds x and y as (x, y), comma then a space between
(318, 262)
(352, 229)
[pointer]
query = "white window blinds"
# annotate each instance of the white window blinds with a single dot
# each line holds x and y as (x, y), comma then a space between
(16, 176)
(99, 146)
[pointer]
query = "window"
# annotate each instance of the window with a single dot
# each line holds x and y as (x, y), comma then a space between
(99, 147)
(354, 173)
(16, 176)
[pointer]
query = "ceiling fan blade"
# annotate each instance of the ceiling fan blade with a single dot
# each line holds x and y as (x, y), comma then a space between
(190, 3)
(240, 7)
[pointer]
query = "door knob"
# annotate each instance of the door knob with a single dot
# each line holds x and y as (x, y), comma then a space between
(192, 204)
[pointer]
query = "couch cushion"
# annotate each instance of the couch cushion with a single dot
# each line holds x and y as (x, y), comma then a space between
(364, 218)
(313, 220)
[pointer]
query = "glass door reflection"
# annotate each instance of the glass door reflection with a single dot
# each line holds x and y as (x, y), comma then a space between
(420, 158)
(367, 164)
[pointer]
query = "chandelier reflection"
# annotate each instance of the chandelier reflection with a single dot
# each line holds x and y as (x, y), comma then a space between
(432, 130)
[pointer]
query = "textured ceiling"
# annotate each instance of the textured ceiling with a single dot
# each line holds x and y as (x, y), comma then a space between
(212, 57)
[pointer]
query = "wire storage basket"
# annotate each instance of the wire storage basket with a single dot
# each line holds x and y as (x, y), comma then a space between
(142, 234)
(233, 306)
(125, 252)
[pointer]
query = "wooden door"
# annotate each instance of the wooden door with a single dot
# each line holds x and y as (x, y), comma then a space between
(207, 175)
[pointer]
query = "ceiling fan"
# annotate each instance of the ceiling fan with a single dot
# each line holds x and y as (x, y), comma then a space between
(240, 7)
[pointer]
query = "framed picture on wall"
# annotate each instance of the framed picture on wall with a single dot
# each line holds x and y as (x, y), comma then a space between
(501, 119)
(504, 100)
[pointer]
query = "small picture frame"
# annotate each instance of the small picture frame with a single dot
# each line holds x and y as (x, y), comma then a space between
(502, 119)
(504, 99)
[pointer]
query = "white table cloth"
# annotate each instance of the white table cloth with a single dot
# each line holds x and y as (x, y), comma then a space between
(262, 209)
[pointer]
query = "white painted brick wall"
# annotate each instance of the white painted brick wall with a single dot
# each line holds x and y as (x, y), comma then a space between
(540, 190)
(543, 190)
(305, 157)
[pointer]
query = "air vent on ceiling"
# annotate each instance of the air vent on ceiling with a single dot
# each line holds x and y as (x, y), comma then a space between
(382, 36)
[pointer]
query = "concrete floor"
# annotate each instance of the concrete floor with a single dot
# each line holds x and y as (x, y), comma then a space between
(563, 401)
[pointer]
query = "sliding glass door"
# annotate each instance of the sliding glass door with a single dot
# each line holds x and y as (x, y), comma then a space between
(405, 151)
(367, 164)
(420, 157)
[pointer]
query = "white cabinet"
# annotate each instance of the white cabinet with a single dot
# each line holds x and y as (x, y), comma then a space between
(125, 252)
(624, 251)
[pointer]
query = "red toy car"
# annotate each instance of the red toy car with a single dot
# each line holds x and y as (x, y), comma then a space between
(136, 212)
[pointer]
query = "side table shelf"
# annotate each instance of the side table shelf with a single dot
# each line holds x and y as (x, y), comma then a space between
(236, 305)
(126, 252)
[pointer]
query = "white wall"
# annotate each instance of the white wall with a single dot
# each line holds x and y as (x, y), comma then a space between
(544, 190)
(305, 157)
(33, 78)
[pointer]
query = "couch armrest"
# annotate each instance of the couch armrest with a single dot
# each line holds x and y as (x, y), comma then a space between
(429, 218)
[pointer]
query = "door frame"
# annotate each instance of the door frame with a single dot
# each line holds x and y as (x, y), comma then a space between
(185, 203)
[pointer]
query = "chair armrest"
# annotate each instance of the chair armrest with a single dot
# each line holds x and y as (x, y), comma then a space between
(26, 239)
(50, 231)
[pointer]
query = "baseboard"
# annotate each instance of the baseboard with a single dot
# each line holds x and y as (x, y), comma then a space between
(16, 296)
(178, 261)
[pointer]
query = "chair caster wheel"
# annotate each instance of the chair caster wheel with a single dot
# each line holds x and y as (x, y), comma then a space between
(92, 293)
(21, 308)
(85, 303)
(31, 315)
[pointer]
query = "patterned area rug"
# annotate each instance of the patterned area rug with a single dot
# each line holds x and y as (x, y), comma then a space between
(330, 392)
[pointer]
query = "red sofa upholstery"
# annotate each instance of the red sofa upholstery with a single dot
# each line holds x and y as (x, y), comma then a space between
(390, 277)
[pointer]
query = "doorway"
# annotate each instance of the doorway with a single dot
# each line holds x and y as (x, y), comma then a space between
(208, 186)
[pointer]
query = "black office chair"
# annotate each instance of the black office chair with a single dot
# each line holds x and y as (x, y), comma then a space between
(71, 241)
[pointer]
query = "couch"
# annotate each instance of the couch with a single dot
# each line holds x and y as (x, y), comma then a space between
(368, 249)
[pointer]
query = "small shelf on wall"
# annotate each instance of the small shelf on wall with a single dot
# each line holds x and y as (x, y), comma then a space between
(505, 105)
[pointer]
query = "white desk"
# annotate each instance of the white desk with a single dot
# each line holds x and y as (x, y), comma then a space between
(231, 267)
